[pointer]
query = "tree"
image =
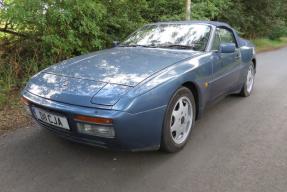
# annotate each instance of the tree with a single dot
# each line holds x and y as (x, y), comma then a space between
(187, 9)
(37, 33)
(255, 18)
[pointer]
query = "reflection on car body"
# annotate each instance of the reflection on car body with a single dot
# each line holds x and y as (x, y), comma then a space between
(147, 92)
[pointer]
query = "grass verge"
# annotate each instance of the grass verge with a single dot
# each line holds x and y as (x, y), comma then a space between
(12, 113)
(264, 44)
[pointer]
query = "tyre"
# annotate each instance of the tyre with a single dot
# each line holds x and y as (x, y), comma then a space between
(179, 120)
(249, 82)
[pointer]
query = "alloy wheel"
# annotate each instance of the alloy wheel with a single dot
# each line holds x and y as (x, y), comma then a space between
(181, 120)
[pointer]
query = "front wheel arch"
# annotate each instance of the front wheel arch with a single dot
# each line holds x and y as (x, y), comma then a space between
(167, 143)
(194, 90)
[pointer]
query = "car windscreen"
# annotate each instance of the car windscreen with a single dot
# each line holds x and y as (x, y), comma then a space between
(178, 36)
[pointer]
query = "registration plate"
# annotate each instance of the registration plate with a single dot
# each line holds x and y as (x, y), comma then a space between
(50, 118)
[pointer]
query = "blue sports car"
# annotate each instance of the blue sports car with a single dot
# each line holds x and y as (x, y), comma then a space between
(146, 92)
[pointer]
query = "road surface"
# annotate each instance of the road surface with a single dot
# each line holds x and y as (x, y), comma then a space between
(240, 145)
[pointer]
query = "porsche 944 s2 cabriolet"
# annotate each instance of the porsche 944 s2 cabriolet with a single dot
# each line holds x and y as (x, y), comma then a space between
(146, 92)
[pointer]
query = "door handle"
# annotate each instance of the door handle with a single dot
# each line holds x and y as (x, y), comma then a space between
(237, 57)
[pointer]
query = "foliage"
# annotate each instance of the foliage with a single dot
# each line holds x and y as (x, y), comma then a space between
(265, 44)
(209, 9)
(164, 10)
(256, 18)
(122, 18)
(38, 33)
(278, 32)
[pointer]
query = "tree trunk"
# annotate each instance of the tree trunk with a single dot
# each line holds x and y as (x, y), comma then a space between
(187, 9)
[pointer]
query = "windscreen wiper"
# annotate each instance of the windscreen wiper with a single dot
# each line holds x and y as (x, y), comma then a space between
(177, 46)
(135, 45)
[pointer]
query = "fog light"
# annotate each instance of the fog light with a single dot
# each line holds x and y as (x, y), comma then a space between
(96, 130)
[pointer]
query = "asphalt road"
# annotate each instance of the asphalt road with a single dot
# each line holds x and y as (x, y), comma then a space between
(239, 145)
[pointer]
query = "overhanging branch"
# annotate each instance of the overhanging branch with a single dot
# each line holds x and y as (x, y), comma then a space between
(8, 31)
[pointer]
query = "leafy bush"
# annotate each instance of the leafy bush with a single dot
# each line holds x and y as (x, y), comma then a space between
(278, 32)
(38, 33)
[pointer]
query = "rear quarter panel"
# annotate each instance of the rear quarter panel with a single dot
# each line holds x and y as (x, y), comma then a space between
(248, 55)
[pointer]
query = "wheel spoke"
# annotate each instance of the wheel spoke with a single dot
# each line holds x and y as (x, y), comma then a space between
(175, 126)
(181, 119)
(186, 109)
(176, 114)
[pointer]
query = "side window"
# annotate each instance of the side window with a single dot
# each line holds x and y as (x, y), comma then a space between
(222, 36)
(226, 36)
(216, 41)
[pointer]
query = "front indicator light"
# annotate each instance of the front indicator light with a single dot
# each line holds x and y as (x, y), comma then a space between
(97, 120)
(96, 130)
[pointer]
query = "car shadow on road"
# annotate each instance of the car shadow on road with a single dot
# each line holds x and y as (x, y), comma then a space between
(43, 155)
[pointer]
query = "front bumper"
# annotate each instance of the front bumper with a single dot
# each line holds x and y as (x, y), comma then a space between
(134, 132)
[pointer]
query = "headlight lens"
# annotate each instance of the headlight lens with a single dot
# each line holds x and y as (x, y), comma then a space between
(96, 130)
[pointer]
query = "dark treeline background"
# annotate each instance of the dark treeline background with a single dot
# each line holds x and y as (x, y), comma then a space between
(37, 33)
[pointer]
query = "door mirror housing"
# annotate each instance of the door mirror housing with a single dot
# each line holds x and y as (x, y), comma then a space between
(227, 48)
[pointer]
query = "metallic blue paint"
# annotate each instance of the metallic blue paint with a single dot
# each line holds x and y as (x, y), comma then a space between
(117, 65)
(133, 86)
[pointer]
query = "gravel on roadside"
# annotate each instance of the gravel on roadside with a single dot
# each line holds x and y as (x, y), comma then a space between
(12, 118)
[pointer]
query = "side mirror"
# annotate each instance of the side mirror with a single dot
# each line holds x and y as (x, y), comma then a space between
(116, 43)
(227, 48)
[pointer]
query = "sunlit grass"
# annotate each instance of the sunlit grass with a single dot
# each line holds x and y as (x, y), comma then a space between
(265, 44)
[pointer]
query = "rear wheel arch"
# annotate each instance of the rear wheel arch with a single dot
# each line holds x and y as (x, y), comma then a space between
(254, 63)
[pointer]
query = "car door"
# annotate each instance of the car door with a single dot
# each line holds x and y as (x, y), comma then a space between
(225, 65)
